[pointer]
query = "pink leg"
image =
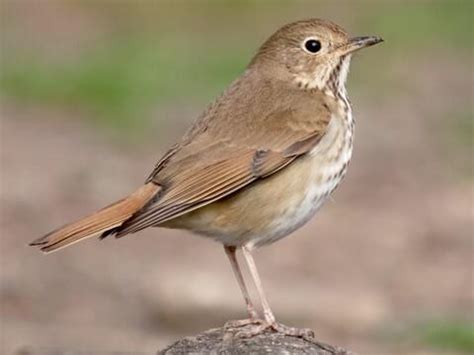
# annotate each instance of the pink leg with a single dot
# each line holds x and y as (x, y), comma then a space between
(231, 253)
(268, 314)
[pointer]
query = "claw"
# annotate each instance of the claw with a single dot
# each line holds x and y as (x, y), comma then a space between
(247, 328)
(232, 324)
(252, 331)
(244, 328)
(291, 331)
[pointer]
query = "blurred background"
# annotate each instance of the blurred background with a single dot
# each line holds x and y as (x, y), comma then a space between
(93, 92)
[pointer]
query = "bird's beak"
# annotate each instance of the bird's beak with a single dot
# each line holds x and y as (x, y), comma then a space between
(356, 43)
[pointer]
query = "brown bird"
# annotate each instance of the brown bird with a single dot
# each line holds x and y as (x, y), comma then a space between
(256, 164)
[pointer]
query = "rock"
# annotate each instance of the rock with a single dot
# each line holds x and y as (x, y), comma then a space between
(213, 342)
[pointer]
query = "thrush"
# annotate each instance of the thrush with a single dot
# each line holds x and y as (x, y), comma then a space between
(256, 164)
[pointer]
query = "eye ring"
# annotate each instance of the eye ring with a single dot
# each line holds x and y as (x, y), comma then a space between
(312, 45)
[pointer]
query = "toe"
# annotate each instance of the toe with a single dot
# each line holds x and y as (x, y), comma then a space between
(296, 332)
(241, 323)
(251, 331)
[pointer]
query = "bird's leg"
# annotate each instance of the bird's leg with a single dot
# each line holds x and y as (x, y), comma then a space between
(270, 321)
(253, 315)
(267, 312)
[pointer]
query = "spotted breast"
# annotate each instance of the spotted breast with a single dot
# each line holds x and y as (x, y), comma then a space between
(287, 199)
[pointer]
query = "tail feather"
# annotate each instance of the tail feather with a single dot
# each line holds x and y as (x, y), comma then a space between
(102, 221)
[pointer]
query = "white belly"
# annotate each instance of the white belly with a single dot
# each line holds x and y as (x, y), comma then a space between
(274, 207)
(329, 161)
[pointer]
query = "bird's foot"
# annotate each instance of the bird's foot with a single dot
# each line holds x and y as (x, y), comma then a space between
(239, 323)
(247, 328)
(304, 333)
(252, 319)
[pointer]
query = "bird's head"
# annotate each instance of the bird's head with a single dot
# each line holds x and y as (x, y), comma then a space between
(311, 53)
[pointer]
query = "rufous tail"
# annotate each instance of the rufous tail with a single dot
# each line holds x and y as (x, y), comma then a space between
(98, 223)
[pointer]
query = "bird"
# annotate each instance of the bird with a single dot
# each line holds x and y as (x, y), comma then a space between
(255, 165)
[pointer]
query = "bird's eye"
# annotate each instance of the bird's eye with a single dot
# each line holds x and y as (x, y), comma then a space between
(312, 45)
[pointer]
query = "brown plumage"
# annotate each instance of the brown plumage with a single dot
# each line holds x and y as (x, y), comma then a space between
(258, 162)
(215, 162)
(98, 223)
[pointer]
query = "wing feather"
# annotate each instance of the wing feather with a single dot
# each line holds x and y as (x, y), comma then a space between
(204, 187)
(212, 163)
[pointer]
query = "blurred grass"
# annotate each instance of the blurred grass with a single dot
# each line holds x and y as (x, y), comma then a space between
(448, 335)
(457, 134)
(462, 128)
(128, 72)
(418, 25)
(120, 79)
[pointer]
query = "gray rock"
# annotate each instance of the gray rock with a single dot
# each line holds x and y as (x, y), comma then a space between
(213, 341)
